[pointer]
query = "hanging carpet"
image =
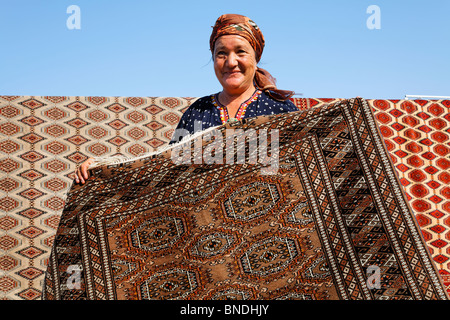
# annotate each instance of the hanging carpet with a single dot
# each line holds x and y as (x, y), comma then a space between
(325, 220)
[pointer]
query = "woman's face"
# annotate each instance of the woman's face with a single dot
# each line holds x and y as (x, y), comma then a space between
(234, 63)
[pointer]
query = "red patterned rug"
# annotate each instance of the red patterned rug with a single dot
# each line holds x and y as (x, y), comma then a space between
(327, 220)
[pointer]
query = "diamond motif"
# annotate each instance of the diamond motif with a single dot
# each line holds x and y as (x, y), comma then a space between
(153, 109)
(52, 222)
(117, 108)
(412, 134)
(77, 123)
(32, 138)
(444, 177)
(8, 204)
(155, 142)
(386, 131)
(31, 232)
(77, 140)
(383, 117)
(439, 243)
(435, 109)
(31, 194)
(30, 273)
(97, 100)
(32, 175)
(154, 125)
(212, 244)
(421, 205)
(170, 284)
(9, 129)
(55, 130)
(438, 124)
(438, 228)
(7, 223)
(410, 121)
(9, 111)
(77, 157)
(55, 99)
(31, 213)
(8, 184)
(408, 106)
(97, 115)
(98, 149)
(97, 132)
(9, 165)
(417, 175)
(55, 184)
(158, 233)
(9, 146)
(117, 141)
(7, 263)
(54, 203)
(55, 166)
(29, 294)
(7, 283)
(32, 121)
(136, 149)
(55, 147)
(270, 255)
(55, 114)
(171, 102)
(171, 118)
(77, 106)
(135, 101)
(136, 116)
(117, 124)
(396, 113)
(32, 104)
(136, 133)
(440, 258)
(31, 252)
(7, 242)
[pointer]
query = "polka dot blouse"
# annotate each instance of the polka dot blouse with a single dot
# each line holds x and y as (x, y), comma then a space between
(207, 112)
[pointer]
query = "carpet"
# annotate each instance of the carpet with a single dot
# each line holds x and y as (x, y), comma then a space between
(42, 140)
(325, 220)
(416, 134)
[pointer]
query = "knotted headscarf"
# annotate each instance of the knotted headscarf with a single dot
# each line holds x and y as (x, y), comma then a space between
(235, 24)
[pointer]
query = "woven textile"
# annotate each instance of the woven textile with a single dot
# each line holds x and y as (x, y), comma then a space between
(311, 228)
(42, 139)
(417, 135)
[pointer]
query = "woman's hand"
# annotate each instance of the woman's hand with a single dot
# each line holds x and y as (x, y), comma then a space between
(81, 174)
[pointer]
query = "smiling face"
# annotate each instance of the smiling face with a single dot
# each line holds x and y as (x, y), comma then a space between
(234, 64)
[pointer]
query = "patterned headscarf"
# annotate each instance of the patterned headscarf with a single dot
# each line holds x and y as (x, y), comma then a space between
(235, 24)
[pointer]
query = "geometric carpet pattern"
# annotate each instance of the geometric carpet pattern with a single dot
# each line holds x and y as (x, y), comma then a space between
(43, 139)
(417, 135)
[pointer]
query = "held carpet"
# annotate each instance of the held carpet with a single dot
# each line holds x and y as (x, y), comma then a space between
(329, 221)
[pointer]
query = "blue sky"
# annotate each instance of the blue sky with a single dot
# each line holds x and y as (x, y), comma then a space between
(319, 48)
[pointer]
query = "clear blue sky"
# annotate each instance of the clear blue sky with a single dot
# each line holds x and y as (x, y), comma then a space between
(319, 48)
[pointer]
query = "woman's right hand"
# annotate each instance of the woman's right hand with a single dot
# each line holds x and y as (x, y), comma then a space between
(81, 174)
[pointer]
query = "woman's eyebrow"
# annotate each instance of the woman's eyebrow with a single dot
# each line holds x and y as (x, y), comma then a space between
(222, 47)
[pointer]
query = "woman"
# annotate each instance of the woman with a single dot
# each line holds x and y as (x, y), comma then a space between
(236, 45)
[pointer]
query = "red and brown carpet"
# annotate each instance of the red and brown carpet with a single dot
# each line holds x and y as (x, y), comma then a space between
(333, 213)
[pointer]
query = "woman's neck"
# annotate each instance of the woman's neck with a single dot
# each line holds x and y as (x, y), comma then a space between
(233, 99)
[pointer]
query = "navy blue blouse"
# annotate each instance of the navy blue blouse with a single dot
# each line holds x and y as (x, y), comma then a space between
(207, 112)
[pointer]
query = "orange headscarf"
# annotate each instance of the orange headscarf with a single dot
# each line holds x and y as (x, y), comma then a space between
(235, 24)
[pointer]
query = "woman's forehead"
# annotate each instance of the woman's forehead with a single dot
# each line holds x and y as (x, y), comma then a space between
(231, 41)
